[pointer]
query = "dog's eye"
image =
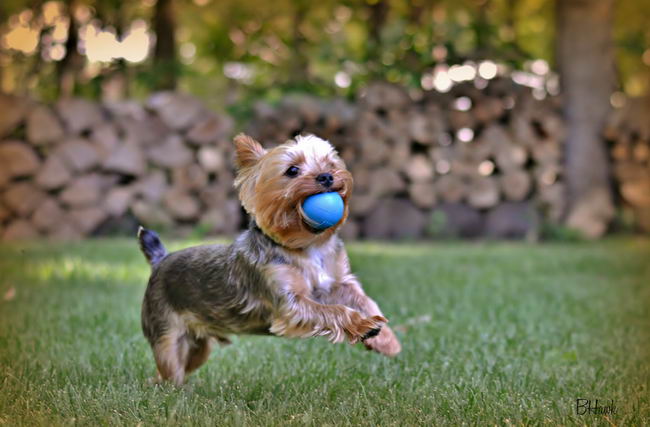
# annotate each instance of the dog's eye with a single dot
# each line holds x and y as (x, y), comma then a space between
(292, 172)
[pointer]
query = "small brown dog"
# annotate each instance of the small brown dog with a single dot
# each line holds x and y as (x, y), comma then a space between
(279, 277)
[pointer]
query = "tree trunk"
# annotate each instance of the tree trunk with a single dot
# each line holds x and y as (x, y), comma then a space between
(164, 59)
(3, 18)
(377, 15)
(72, 62)
(482, 30)
(299, 63)
(586, 63)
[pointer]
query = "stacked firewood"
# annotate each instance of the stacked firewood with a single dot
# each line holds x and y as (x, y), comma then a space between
(628, 133)
(80, 168)
(468, 162)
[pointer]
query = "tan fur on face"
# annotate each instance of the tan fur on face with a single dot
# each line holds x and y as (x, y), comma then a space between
(275, 200)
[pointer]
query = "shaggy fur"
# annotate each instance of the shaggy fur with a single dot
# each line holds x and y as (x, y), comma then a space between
(279, 277)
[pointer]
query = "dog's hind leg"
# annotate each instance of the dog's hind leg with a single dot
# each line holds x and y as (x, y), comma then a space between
(199, 352)
(171, 351)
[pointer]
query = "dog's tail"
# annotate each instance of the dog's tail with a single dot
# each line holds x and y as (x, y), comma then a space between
(151, 246)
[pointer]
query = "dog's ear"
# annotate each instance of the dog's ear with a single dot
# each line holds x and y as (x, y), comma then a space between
(247, 150)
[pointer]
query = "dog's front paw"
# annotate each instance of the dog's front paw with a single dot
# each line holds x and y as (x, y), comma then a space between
(361, 328)
(385, 342)
(371, 333)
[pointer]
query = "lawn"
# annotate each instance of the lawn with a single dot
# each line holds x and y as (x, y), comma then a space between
(493, 333)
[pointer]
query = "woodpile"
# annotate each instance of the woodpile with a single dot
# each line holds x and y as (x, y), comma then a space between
(68, 170)
(486, 161)
(467, 163)
(628, 133)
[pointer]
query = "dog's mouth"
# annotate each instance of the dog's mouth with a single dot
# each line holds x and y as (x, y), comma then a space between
(303, 217)
(310, 228)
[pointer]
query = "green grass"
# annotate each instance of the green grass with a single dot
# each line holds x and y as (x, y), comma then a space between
(493, 333)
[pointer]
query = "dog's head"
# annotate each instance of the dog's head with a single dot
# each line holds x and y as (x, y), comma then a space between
(273, 184)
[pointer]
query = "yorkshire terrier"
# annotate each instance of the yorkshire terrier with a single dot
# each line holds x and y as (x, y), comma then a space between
(279, 277)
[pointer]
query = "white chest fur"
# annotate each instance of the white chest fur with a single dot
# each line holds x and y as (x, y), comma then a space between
(318, 271)
(317, 266)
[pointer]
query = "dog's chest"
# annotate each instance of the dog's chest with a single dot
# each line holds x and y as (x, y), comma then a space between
(318, 271)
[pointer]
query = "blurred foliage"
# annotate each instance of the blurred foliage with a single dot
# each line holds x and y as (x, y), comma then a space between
(333, 47)
(560, 233)
(438, 225)
(234, 52)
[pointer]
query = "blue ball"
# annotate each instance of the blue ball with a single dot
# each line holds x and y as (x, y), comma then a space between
(323, 210)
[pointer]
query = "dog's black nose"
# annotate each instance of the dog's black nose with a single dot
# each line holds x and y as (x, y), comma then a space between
(325, 179)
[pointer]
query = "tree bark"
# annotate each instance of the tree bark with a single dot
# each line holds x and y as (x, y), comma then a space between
(68, 68)
(585, 57)
(482, 28)
(165, 61)
(3, 18)
(300, 61)
(377, 15)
